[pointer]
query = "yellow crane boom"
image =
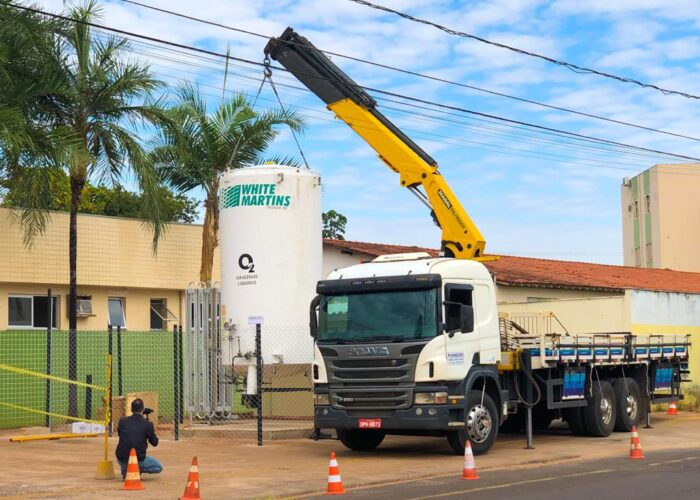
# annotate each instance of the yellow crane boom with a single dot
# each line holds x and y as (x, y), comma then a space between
(350, 103)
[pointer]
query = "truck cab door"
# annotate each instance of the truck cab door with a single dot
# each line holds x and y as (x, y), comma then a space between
(460, 347)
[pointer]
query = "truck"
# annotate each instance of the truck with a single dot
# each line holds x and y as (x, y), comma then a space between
(414, 344)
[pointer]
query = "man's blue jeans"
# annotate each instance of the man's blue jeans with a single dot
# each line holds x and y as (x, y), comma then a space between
(149, 465)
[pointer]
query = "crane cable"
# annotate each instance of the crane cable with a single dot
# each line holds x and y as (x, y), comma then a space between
(268, 75)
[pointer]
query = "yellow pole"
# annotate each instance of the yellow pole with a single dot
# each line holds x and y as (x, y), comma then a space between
(108, 402)
(105, 468)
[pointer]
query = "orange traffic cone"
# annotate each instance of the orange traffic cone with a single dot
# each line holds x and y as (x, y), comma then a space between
(672, 409)
(192, 488)
(335, 483)
(133, 474)
(469, 472)
(635, 446)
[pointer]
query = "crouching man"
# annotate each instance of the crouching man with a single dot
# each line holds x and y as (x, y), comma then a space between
(136, 432)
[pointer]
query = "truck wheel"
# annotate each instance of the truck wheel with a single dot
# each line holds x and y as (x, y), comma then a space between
(574, 417)
(361, 440)
(600, 414)
(629, 404)
(480, 425)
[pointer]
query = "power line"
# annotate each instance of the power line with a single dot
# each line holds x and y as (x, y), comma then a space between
(421, 75)
(528, 137)
(573, 67)
(384, 92)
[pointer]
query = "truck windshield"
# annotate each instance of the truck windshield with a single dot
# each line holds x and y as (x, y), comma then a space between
(378, 316)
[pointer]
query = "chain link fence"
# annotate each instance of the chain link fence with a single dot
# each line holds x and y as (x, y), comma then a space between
(200, 385)
(248, 389)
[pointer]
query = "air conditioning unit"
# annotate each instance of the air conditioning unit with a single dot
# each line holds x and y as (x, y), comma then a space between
(627, 182)
(84, 307)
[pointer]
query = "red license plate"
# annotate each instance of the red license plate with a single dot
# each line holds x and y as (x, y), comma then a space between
(369, 423)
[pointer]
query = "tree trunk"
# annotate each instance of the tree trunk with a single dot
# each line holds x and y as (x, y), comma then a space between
(76, 189)
(210, 234)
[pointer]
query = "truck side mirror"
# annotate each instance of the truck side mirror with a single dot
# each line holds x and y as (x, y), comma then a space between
(466, 319)
(313, 319)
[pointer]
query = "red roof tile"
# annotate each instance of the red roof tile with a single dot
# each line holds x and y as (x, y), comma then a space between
(526, 271)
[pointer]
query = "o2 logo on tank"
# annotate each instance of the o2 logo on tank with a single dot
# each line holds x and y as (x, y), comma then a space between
(247, 264)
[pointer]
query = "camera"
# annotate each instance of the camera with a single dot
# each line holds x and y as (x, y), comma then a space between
(147, 411)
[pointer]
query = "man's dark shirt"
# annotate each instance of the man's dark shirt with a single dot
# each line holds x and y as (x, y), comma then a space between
(135, 432)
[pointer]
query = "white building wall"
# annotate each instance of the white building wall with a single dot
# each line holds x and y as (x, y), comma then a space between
(335, 258)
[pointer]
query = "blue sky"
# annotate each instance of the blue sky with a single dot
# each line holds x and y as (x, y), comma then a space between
(530, 194)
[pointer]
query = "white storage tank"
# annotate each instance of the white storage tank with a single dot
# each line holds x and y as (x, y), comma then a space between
(271, 251)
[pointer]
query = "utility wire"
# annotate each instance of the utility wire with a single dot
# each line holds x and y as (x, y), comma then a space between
(384, 92)
(532, 135)
(498, 128)
(573, 67)
(421, 75)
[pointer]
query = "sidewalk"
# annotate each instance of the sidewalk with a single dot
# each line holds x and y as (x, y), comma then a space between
(229, 469)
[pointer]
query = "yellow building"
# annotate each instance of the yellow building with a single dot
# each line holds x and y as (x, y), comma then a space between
(120, 280)
(659, 207)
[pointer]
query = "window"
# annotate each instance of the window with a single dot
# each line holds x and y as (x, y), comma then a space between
(116, 312)
(160, 314)
(458, 295)
(647, 202)
(31, 311)
(636, 210)
(378, 316)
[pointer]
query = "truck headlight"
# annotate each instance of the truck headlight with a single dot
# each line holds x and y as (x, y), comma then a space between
(430, 398)
(321, 399)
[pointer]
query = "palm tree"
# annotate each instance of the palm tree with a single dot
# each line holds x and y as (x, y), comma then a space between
(101, 101)
(26, 133)
(201, 146)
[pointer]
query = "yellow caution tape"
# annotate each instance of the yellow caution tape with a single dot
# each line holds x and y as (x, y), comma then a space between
(30, 373)
(51, 414)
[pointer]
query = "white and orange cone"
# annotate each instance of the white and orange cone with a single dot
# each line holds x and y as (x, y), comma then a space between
(192, 488)
(635, 445)
(133, 474)
(335, 483)
(469, 472)
(672, 408)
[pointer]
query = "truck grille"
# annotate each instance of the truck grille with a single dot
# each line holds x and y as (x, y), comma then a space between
(395, 398)
(372, 382)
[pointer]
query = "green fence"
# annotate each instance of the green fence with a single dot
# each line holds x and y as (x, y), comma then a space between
(142, 361)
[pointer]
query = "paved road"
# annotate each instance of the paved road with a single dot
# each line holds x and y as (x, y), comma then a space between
(662, 475)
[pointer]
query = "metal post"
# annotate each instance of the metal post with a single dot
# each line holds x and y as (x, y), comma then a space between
(176, 390)
(47, 419)
(529, 396)
(181, 377)
(120, 387)
(108, 392)
(88, 398)
(259, 379)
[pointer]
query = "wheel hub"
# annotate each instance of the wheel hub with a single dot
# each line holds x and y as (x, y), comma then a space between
(606, 410)
(479, 424)
(632, 407)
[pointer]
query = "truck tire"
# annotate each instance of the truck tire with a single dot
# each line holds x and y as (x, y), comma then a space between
(629, 404)
(574, 417)
(600, 414)
(480, 425)
(361, 440)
